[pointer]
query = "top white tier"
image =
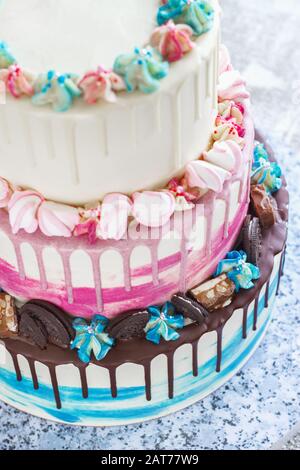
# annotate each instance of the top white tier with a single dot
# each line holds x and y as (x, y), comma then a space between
(74, 36)
(138, 143)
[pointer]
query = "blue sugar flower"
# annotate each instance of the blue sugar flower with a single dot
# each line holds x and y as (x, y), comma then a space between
(142, 69)
(91, 338)
(6, 58)
(238, 270)
(198, 14)
(163, 323)
(58, 90)
(265, 172)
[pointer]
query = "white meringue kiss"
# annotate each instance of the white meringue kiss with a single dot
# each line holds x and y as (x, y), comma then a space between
(224, 61)
(5, 193)
(232, 87)
(57, 220)
(204, 175)
(23, 208)
(115, 211)
(153, 209)
(226, 154)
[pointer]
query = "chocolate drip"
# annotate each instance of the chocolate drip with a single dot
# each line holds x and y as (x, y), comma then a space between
(219, 348)
(170, 358)
(53, 376)
(280, 274)
(147, 370)
(245, 322)
(84, 383)
(113, 382)
(195, 358)
(255, 317)
(16, 365)
(267, 294)
(33, 374)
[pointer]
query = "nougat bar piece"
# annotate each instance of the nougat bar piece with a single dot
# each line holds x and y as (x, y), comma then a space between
(215, 293)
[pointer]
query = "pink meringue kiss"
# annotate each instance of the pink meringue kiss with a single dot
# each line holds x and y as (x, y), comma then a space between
(5, 193)
(153, 209)
(226, 154)
(57, 220)
(23, 208)
(17, 81)
(224, 60)
(173, 41)
(232, 87)
(206, 176)
(115, 211)
(101, 84)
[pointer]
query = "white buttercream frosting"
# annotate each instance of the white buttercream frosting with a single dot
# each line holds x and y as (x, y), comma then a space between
(73, 36)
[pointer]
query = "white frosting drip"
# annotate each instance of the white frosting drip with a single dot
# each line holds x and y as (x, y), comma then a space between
(73, 36)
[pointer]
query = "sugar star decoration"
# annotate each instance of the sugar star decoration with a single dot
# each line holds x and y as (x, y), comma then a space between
(265, 172)
(91, 338)
(238, 270)
(163, 323)
(58, 90)
(6, 58)
(142, 69)
(198, 14)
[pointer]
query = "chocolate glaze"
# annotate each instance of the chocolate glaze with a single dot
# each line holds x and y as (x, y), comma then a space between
(142, 352)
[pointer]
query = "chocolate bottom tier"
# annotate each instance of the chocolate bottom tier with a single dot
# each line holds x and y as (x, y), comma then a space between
(138, 380)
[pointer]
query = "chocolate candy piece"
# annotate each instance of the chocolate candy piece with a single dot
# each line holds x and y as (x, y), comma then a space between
(129, 325)
(8, 317)
(62, 316)
(215, 293)
(264, 206)
(251, 239)
(34, 330)
(189, 308)
(41, 319)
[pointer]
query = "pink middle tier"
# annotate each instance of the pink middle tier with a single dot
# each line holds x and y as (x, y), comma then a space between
(112, 277)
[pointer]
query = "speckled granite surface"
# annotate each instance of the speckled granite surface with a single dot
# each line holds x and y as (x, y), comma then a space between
(261, 405)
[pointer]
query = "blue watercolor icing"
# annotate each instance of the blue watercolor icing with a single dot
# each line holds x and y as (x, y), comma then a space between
(96, 408)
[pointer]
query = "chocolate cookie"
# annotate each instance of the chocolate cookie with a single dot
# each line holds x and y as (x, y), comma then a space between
(53, 323)
(34, 330)
(129, 325)
(189, 308)
(252, 239)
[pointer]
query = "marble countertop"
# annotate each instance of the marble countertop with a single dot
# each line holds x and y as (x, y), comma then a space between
(260, 406)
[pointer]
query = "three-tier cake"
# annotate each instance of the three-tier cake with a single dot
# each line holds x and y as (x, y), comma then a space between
(142, 227)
